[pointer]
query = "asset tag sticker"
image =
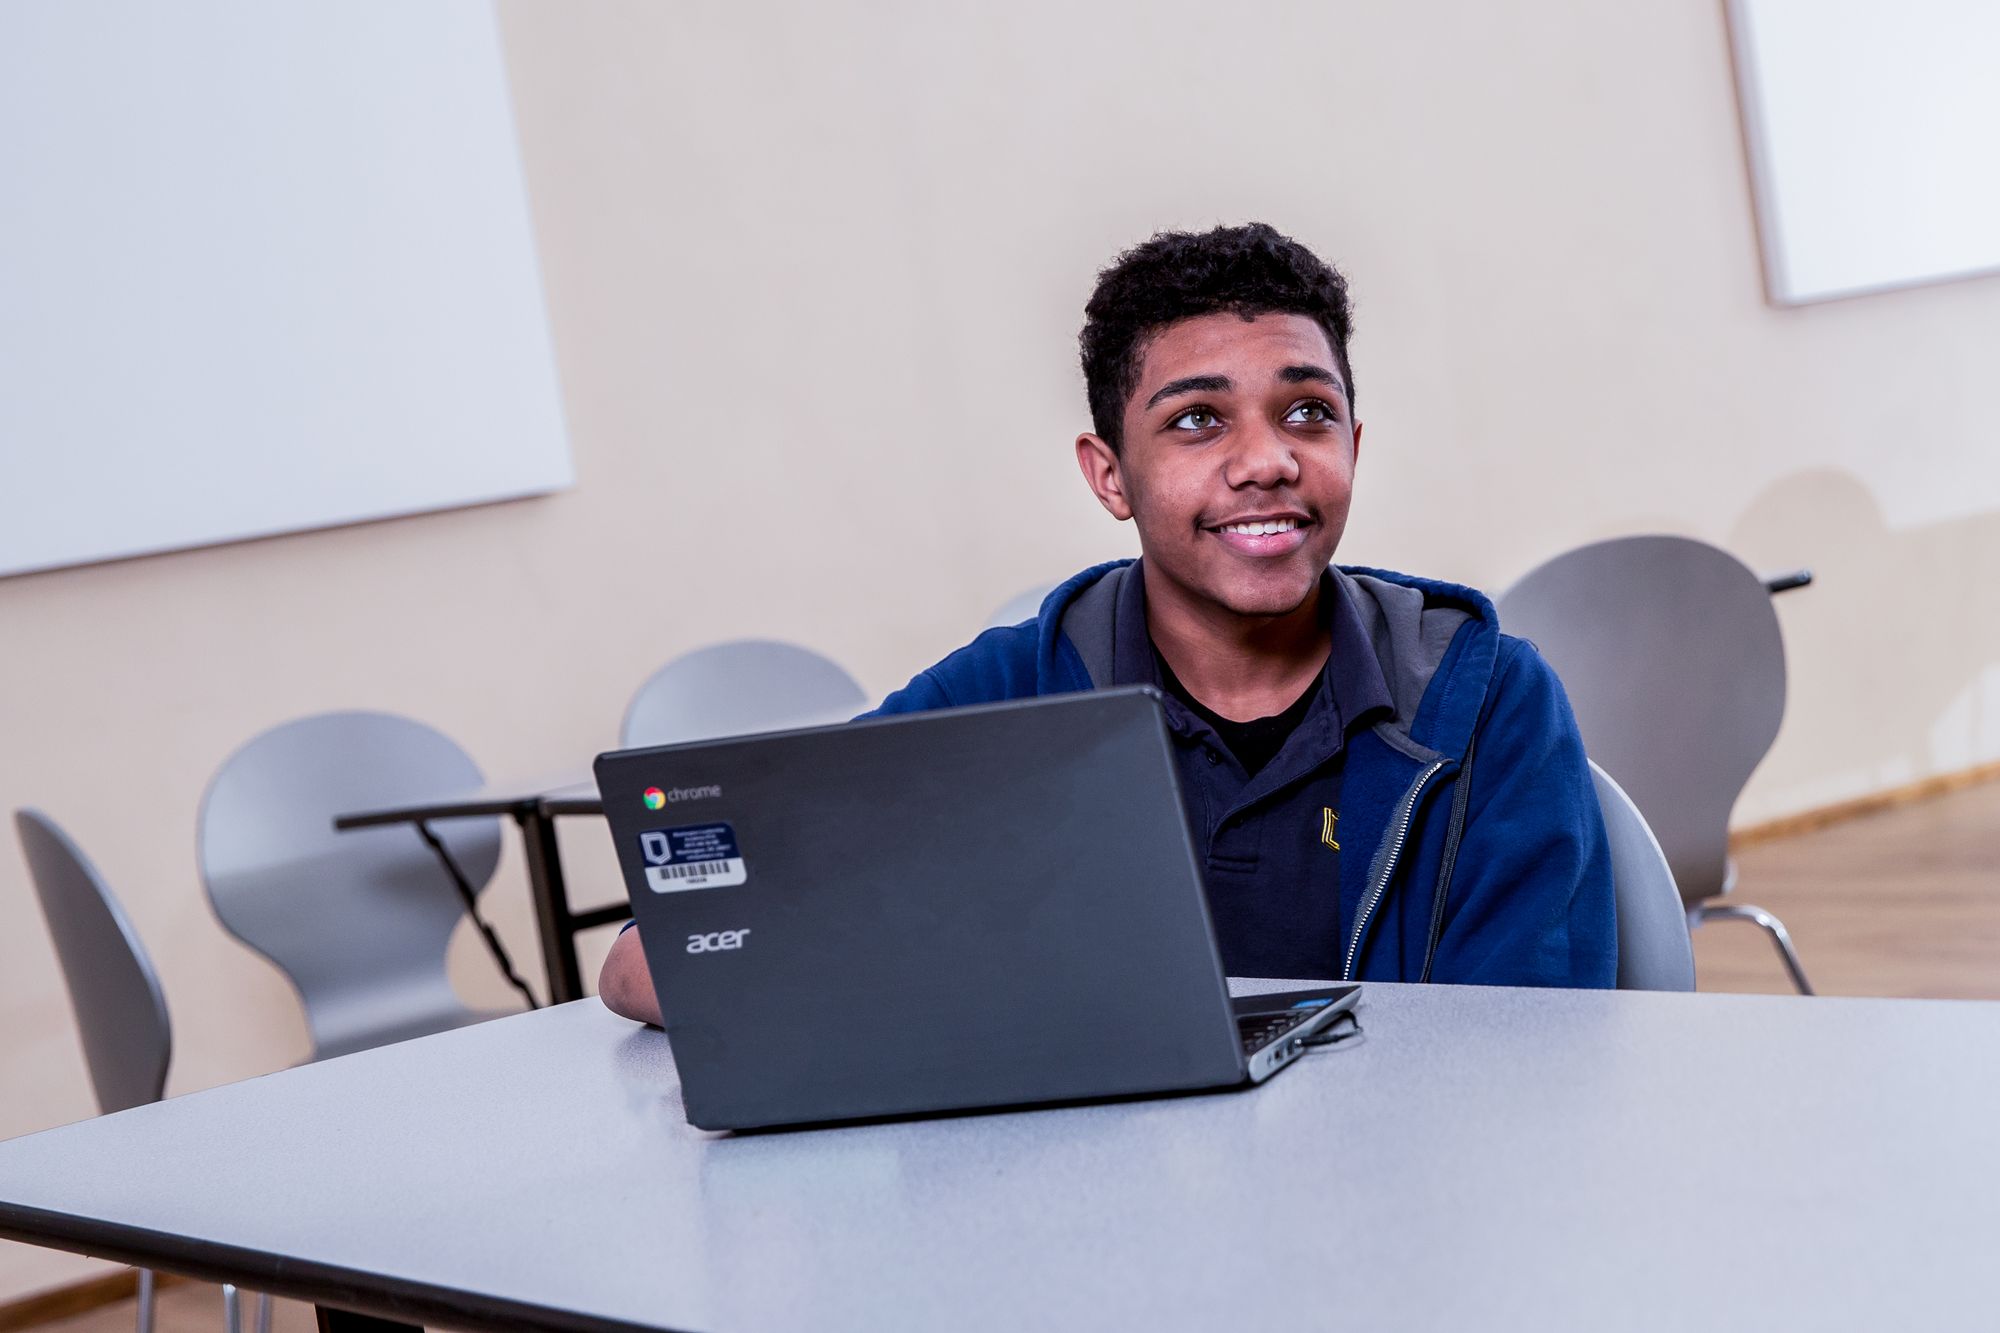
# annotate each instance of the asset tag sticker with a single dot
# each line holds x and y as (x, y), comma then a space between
(700, 856)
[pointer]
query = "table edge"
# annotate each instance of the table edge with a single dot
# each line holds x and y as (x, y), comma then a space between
(400, 1299)
(483, 807)
(572, 805)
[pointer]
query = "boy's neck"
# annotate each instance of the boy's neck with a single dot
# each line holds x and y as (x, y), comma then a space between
(1243, 667)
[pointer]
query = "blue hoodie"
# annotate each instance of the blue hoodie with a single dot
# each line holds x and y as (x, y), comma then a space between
(1473, 850)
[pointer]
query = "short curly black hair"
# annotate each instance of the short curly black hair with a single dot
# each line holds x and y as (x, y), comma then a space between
(1249, 270)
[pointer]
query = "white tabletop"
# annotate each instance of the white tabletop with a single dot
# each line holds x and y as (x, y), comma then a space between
(1480, 1158)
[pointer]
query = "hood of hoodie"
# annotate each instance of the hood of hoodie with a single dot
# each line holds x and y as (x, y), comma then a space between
(1436, 643)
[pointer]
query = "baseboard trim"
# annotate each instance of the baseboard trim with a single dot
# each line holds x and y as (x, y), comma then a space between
(45, 1307)
(1808, 821)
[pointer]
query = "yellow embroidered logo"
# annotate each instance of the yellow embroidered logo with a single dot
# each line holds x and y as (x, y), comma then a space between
(1326, 827)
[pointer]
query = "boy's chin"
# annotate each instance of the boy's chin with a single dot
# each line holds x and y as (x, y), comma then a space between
(1276, 593)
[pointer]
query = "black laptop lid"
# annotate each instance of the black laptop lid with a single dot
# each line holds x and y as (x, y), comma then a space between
(978, 907)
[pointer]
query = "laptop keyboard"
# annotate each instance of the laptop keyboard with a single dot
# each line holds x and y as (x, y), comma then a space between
(1260, 1030)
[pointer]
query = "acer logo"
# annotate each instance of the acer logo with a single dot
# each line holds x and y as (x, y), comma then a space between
(719, 939)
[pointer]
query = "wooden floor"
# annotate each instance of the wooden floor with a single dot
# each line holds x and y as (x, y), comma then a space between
(1905, 902)
(195, 1307)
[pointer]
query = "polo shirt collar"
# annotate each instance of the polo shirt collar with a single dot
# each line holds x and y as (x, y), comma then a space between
(1355, 685)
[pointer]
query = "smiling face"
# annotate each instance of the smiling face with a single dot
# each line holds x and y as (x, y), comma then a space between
(1236, 463)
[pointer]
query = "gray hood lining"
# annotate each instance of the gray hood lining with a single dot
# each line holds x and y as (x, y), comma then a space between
(1090, 623)
(1410, 636)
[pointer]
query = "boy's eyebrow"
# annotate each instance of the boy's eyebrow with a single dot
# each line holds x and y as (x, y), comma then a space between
(1308, 373)
(1191, 384)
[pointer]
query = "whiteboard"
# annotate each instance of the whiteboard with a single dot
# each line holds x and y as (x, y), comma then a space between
(263, 267)
(1874, 135)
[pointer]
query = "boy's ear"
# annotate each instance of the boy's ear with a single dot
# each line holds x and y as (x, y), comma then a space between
(1099, 464)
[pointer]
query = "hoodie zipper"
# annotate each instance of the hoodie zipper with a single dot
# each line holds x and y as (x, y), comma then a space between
(1381, 885)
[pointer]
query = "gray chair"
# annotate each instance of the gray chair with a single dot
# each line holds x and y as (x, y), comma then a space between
(1024, 606)
(1673, 661)
(359, 921)
(736, 688)
(121, 1012)
(1654, 950)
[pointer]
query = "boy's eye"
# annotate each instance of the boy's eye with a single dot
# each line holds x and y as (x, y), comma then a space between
(1313, 411)
(1195, 418)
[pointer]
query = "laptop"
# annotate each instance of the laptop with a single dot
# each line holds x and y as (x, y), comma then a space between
(974, 908)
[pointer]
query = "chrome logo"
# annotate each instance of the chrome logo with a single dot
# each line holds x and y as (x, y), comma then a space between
(655, 798)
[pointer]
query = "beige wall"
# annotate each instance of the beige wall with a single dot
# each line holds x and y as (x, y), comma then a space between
(815, 274)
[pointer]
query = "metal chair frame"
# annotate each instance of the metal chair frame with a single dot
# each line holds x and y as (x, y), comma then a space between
(1675, 666)
(1654, 948)
(358, 921)
(115, 995)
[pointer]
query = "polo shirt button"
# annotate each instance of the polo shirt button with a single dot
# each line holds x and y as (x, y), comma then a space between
(1213, 758)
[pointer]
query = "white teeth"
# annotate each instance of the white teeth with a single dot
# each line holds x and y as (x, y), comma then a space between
(1269, 527)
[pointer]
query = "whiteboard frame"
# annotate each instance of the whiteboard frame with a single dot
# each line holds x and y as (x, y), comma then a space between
(498, 391)
(1751, 100)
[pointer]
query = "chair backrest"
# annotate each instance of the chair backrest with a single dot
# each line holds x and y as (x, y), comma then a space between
(736, 688)
(121, 1013)
(1673, 661)
(1654, 950)
(360, 920)
(1023, 606)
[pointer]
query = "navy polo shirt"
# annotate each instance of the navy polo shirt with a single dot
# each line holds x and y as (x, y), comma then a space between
(1268, 841)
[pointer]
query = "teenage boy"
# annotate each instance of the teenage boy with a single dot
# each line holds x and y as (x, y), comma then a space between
(1382, 785)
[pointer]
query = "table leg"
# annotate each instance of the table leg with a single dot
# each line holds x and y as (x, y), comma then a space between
(332, 1320)
(552, 915)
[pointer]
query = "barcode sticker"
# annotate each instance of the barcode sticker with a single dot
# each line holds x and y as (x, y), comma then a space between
(700, 856)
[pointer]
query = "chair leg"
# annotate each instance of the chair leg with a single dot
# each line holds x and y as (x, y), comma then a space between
(145, 1300)
(232, 1312)
(1780, 937)
(263, 1312)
